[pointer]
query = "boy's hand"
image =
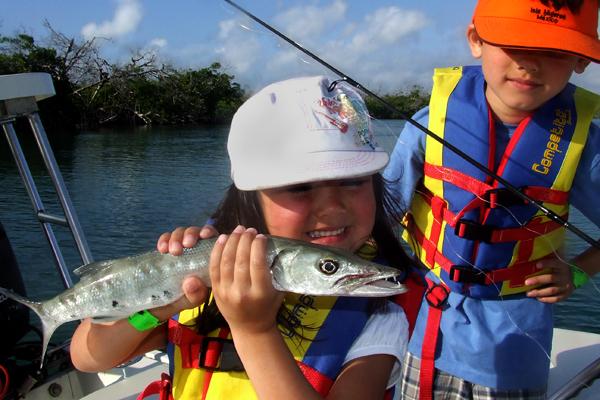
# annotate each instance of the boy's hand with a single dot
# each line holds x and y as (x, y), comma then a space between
(174, 242)
(556, 285)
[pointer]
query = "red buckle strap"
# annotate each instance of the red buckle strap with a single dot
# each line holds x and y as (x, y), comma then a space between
(188, 341)
(547, 195)
(161, 387)
(528, 231)
(493, 195)
(437, 297)
(516, 273)
(490, 234)
(430, 249)
(224, 332)
(198, 351)
(437, 294)
(457, 178)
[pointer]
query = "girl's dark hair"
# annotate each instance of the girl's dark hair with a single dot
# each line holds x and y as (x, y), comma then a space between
(243, 208)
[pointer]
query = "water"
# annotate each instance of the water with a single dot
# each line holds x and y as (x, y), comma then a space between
(129, 186)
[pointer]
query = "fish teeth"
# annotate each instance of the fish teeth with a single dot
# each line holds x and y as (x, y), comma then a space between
(318, 234)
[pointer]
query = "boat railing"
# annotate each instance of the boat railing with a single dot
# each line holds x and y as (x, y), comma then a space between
(579, 382)
(19, 94)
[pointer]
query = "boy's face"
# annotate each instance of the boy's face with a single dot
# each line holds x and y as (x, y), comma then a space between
(520, 80)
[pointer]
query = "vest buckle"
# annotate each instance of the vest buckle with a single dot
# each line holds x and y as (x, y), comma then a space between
(219, 354)
(458, 273)
(437, 295)
(502, 197)
(472, 230)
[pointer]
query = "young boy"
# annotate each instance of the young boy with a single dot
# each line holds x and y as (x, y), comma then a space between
(481, 332)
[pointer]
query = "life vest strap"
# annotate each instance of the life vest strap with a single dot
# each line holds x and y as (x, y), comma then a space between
(457, 178)
(161, 387)
(516, 273)
(437, 298)
(207, 352)
(472, 230)
(491, 196)
(491, 234)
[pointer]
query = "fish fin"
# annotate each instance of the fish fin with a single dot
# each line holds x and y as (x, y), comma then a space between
(49, 324)
(92, 267)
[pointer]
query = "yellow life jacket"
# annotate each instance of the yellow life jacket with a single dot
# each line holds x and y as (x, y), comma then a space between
(474, 234)
(206, 367)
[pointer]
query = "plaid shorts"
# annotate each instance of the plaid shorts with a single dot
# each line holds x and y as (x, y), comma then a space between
(446, 386)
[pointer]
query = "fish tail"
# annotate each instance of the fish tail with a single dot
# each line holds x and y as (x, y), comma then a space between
(49, 324)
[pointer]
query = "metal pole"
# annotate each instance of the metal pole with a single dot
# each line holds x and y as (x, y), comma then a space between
(36, 200)
(61, 190)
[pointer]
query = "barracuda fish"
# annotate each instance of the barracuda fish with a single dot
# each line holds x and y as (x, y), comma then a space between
(114, 289)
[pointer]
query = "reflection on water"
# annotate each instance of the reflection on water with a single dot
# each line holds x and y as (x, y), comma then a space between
(130, 186)
(127, 187)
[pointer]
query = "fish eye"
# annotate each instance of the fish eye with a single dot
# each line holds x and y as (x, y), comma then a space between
(328, 267)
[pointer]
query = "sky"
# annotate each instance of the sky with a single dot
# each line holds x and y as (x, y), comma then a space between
(385, 45)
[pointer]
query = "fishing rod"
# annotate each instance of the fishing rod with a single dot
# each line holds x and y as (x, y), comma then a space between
(547, 212)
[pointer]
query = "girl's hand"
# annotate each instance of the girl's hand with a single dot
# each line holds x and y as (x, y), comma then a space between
(174, 242)
(557, 285)
(242, 283)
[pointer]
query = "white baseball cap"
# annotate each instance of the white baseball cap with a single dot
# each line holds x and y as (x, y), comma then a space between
(297, 131)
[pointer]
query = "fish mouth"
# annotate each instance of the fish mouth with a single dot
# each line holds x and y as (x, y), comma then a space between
(370, 285)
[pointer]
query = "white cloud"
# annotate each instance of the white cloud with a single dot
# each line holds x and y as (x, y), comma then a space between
(310, 21)
(386, 50)
(387, 26)
(158, 43)
(238, 49)
(127, 17)
(376, 50)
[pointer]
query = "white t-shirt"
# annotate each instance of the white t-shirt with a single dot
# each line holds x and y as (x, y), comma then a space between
(386, 332)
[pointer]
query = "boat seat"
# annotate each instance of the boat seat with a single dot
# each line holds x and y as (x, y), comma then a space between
(32, 84)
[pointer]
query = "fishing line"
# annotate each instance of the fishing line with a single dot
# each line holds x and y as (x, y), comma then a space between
(549, 213)
(555, 250)
(505, 310)
(523, 225)
(496, 286)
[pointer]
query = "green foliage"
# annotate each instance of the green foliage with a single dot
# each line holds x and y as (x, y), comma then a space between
(91, 92)
(406, 102)
(21, 54)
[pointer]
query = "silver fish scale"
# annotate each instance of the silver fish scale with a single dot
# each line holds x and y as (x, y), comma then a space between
(114, 289)
(131, 284)
(118, 288)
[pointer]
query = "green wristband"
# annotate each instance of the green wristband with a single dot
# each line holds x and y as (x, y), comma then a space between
(579, 277)
(144, 321)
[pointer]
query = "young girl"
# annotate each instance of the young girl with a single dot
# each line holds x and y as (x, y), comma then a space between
(304, 166)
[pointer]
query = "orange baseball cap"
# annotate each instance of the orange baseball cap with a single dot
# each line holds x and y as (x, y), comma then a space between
(534, 25)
